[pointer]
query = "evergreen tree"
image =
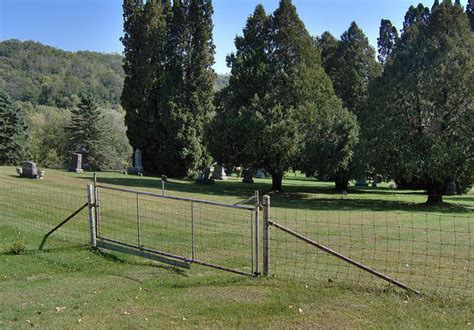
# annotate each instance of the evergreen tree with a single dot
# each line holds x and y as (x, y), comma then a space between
(387, 40)
(470, 13)
(14, 146)
(89, 131)
(423, 104)
(276, 90)
(351, 67)
(169, 81)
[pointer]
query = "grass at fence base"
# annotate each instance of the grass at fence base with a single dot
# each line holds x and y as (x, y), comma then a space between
(69, 286)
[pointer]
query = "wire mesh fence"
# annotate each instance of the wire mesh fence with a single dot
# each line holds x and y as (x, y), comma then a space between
(192, 230)
(31, 208)
(429, 252)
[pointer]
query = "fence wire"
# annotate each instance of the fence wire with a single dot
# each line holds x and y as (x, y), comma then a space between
(429, 252)
(30, 208)
(207, 233)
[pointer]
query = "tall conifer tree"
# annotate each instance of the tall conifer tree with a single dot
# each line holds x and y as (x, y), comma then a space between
(276, 91)
(14, 146)
(351, 67)
(169, 81)
(423, 104)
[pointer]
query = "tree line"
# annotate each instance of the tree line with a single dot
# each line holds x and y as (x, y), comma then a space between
(326, 106)
(334, 108)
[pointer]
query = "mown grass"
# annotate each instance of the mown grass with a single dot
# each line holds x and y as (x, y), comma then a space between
(112, 290)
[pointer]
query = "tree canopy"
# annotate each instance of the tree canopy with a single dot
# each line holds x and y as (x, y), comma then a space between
(276, 92)
(14, 146)
(169, 82)
(422, 105)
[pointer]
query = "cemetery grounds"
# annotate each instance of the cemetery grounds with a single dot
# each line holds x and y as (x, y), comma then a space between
(67, 285)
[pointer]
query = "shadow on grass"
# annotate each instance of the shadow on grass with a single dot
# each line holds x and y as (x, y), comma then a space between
(35, 251)
(299, 196)
(138, 262)
(366, 204)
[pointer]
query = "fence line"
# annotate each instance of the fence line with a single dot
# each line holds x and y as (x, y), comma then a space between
(429, 252)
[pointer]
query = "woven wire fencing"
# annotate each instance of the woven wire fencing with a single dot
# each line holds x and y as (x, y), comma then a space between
(187, 229)
(31, 208)
(432, 253)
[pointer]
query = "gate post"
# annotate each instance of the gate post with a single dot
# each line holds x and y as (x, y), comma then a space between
(90, 199)
(257, 233)
(266, 235)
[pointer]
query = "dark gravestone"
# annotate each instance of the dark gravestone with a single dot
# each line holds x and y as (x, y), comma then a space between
(450, 189)
(248, 175)
(75, 164)
(219, 173)
(204, 176)
(361, 183)
(260, 174)
(29, 170)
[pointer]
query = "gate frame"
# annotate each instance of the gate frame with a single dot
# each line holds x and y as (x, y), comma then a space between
(98, 240)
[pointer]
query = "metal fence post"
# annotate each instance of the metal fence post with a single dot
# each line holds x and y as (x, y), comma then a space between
(90, 198)
(193, 251)
(139, 234)
(257, 234)
(266, 235)
(97, 207)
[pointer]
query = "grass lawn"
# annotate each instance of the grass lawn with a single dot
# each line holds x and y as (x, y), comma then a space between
(69, 286)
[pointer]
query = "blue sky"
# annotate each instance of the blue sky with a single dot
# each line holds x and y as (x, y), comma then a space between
(97, 24)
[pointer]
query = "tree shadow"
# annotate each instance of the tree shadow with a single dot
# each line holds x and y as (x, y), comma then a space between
(367, 204)
(137, 261)
(299, 196)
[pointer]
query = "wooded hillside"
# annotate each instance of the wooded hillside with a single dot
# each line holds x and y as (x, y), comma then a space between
(44, 75)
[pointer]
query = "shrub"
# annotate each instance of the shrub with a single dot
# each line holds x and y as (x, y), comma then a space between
(18, 247)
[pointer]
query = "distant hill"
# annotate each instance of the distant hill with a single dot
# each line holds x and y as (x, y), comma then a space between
(30, 71)
(44, 75)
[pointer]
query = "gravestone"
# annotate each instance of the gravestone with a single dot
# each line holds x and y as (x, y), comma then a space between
(450, 189)
(219, 173)
(361, 183)
(248, 175)
(204, 176)
(260, 174)
(137, 166)
(85, 158)
(75, 164)
(29, 170)
(137, 160)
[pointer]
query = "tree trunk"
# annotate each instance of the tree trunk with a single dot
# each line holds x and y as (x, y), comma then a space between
(276, 182)
(435, 194)
(342, 182)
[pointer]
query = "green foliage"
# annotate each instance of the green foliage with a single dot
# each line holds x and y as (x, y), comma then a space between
(169, 82)
(14, 146)
(351, 65)
(17, 247)
(47, 135)
(422, 105)
(276, 91)
(44, 75)
(470, 13)
(89, 130)
(387, 40)
(330, 145)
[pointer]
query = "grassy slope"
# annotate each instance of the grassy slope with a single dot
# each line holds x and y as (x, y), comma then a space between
(115, 290)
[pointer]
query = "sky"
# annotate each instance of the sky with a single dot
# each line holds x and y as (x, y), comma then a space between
(96, 25)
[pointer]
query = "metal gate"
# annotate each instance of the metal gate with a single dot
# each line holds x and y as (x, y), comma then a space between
(176, 230)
